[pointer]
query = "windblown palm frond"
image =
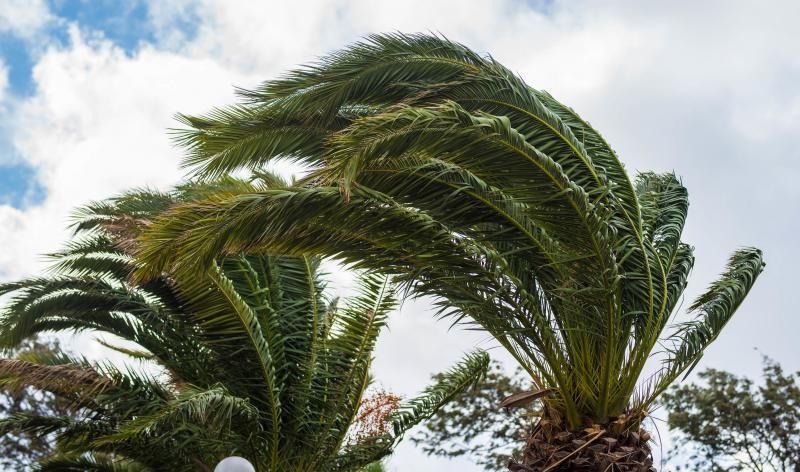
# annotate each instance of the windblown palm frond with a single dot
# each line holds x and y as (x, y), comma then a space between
(443, 168)
(90, 463)
(252, 356)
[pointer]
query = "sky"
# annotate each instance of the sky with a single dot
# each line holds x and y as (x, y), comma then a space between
(89, 88)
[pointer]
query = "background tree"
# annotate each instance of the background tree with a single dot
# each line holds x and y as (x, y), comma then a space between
(440, 166)
(474, 425)
(251, 358)
(729, 423)
(21, 450)
(726, 423)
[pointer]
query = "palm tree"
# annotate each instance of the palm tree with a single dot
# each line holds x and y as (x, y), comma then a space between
(250, 358)
(440, 166)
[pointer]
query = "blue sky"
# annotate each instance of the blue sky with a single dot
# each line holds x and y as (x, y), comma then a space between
(17, 180)
(707, 89)
(124, 23)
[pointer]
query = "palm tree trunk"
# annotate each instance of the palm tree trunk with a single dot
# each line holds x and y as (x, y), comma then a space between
(552, 448)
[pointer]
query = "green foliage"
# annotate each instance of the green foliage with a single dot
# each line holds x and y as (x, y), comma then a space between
(374, 467)
(249, 357)
(728, 423)
(441, 167)
(90, 463)
(474, 426)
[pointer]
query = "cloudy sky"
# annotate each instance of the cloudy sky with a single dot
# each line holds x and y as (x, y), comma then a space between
(707, 89)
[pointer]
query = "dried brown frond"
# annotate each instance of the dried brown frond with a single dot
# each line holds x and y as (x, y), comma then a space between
(79, 383)
(619, 446)
(372, 419)
(124, 230)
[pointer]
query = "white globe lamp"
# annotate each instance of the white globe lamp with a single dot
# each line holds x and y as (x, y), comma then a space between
(234, 464)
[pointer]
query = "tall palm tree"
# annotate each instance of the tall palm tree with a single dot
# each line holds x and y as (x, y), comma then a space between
(439, 165)
(249, 357)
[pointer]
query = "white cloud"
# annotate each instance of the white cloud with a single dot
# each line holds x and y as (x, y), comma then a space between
(96, 126)
(708, 89)
(24, 18)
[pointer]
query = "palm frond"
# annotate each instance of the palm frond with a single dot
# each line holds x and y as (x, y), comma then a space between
(253, 356)
(458, 379)
(714, 309)
(439, 166)
(215, 410)
(72, 381)
(348, 356)
(36, 424)
(95, 462)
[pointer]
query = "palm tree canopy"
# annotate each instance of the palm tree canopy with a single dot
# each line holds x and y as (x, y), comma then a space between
(252, 357)
(439, 165)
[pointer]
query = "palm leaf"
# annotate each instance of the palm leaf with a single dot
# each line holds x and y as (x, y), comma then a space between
(440, 167)
(714, 309)
(90, 463)
(253, 358)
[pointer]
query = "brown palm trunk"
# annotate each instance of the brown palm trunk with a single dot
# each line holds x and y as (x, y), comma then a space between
(551, 448)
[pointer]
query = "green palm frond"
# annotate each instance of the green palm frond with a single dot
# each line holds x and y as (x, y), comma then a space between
(41, 425)
(411, 412)
(458, 379)
(225, 316)
(96, 462)
(714, 309)
(348, 355)
(251, 355)
(214, 411)
(442, 168)
(129, 352)
(360, 456)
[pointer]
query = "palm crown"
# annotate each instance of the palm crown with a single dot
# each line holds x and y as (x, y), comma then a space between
(440, 166)
(251, 357)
